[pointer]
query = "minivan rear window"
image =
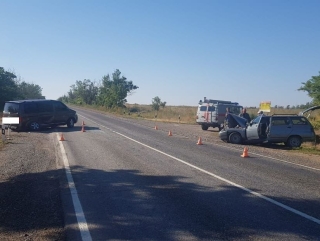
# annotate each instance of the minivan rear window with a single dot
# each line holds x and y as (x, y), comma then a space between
(11, 108)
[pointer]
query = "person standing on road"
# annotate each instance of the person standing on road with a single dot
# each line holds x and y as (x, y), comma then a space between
(245, 115)
(227, 118)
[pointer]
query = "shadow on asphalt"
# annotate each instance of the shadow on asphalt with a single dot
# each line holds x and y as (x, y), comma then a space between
(133, 206)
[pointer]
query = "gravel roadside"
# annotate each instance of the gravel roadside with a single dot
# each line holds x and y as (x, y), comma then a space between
(30, 203)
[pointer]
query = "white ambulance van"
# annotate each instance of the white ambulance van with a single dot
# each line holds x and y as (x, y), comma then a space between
(211, 113)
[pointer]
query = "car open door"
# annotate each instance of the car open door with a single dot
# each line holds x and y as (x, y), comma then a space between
(253, 129)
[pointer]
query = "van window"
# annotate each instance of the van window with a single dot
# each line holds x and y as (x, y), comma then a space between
(30, 107)
(11, 108)
(38, 107)
(204, 108)
(59, 106)
(45, 106)
(235, 109)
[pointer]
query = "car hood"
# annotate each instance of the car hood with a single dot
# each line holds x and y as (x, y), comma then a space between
(235, 120)
(309, 109)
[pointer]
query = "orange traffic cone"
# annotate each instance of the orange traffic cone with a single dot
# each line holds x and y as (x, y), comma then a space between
(170, 133)
(83, 123)
(61, 137)
(156, 128)
(83, 130)
(245, 152)
(199, 141)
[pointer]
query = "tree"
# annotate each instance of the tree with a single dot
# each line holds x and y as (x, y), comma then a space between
(29, 91)
(83, 92)
(156, 103)
(8, 87)
(113, 92)
(312, 86)
(163, 104)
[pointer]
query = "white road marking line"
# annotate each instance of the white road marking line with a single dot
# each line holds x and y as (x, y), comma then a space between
(229, 182)
(82, 223)
(304, 215)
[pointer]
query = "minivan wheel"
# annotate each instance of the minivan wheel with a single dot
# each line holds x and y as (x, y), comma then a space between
(294, 141)
(34, 126)
(235, 138)
(70, 123)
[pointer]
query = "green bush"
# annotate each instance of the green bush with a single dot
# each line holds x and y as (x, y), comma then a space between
(134, 109)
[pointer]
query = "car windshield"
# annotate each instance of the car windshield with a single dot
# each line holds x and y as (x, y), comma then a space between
(256, 120)
(235, 109)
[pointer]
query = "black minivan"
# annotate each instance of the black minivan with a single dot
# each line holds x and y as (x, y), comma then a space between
(35, 114)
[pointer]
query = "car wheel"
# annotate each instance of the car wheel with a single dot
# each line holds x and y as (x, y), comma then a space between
(235, 138)
(70, 123)
(34, 126)
(294, 141)
(204, 127)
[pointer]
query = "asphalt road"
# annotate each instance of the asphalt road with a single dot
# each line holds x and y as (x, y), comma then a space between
(132, 182)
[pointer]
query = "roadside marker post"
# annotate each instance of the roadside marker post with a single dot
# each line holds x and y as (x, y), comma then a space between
(3, 131)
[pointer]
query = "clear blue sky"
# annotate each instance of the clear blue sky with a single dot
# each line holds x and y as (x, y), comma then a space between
(179, 50)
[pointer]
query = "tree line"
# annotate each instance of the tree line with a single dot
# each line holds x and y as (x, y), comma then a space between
(110, 92)
(13, 88)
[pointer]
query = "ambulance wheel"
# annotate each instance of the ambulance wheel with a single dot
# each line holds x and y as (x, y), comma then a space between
(204, 127)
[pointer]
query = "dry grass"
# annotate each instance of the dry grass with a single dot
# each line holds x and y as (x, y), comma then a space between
(187, 114)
